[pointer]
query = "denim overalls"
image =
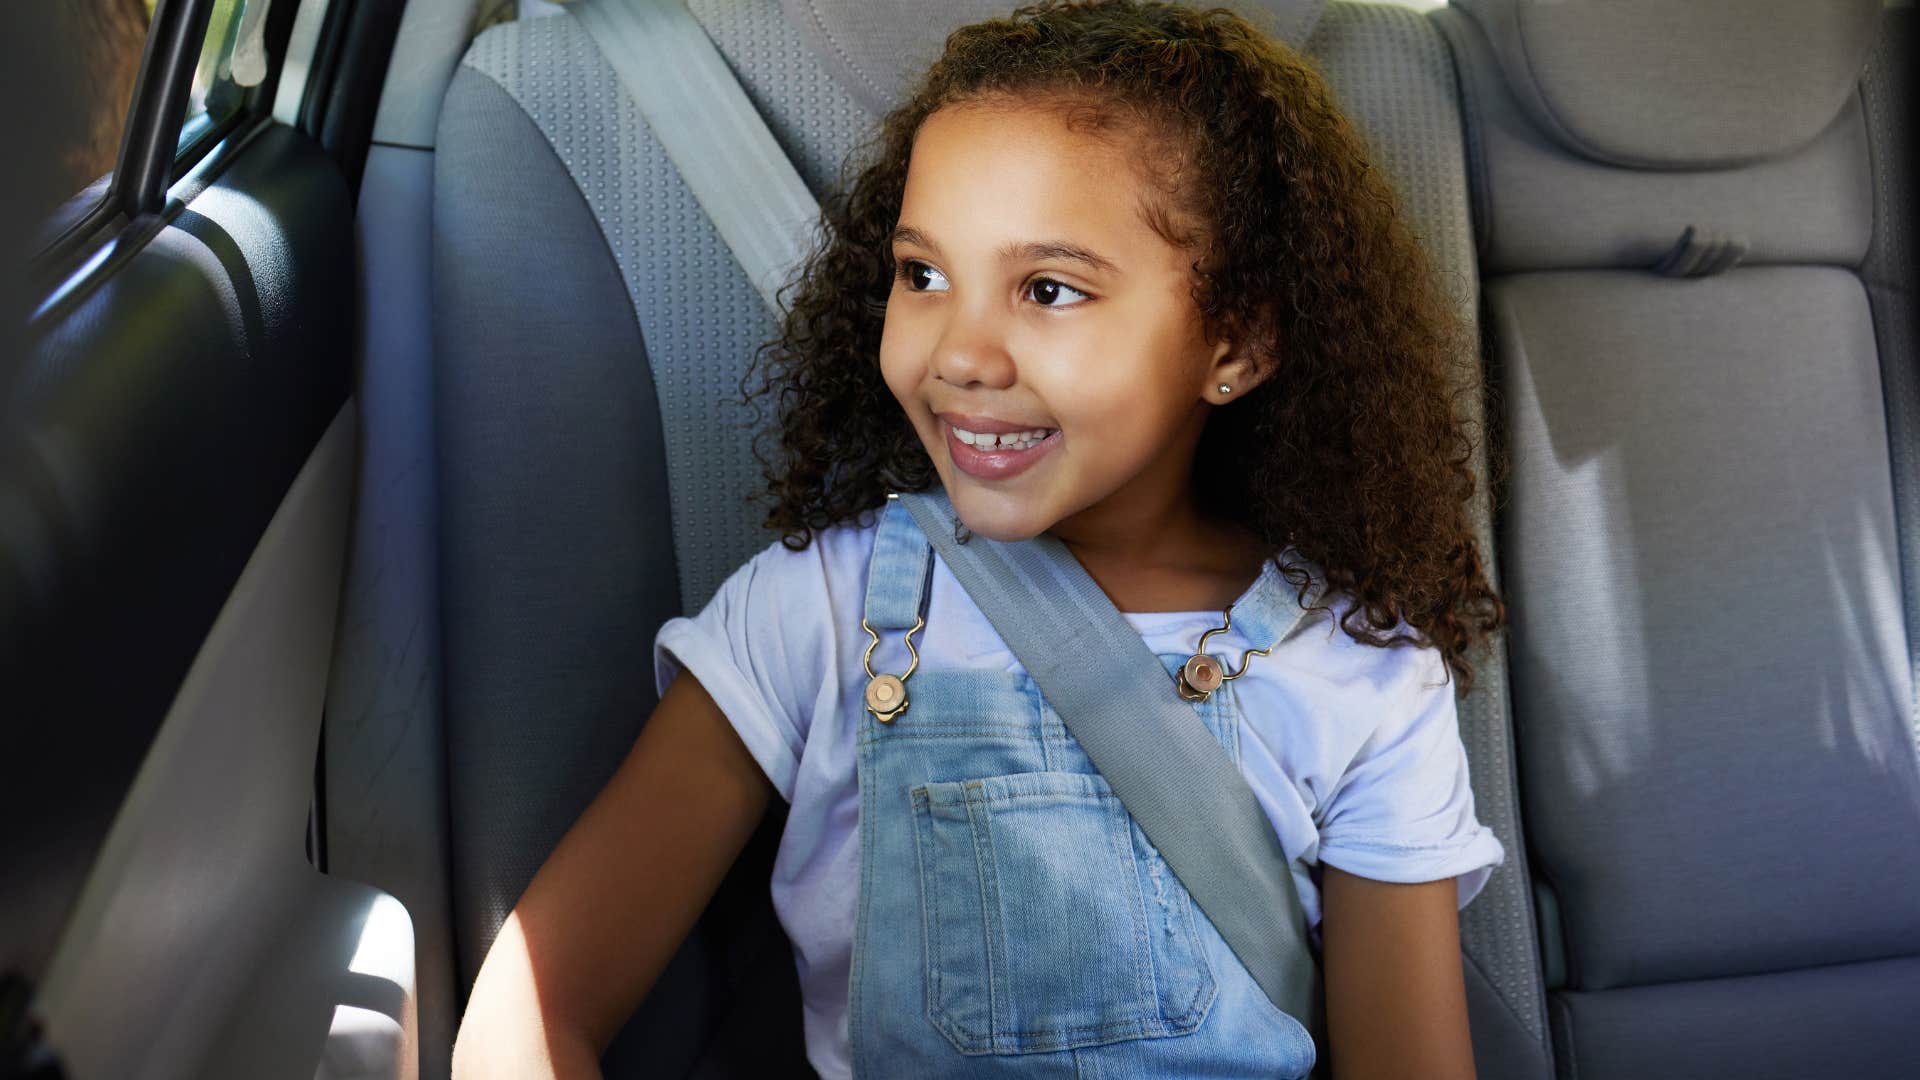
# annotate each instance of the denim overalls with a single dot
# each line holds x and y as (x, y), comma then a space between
(1013, 920)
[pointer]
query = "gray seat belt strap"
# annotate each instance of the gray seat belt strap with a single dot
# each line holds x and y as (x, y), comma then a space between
(1169, 772)
(711, 132)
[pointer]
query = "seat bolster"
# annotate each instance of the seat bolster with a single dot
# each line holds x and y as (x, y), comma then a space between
(556, 564)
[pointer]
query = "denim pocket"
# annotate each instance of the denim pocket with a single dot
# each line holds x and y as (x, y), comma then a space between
(1050, 922)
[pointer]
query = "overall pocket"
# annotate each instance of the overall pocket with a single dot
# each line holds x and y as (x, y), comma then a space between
(1050, 922)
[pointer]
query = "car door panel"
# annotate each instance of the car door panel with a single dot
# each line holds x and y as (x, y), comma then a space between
(177, 465)
(204, 944)
(160, 419)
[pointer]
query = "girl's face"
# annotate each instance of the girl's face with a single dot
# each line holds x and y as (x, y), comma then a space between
(1035, 311)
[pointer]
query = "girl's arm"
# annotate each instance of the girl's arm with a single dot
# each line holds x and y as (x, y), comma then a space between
(612, 903)
(1396, 1001)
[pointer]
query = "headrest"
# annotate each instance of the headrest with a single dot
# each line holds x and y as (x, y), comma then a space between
(1680, 83)
(874, 49)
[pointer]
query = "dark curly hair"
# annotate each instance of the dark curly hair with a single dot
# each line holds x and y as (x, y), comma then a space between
(1354, 454)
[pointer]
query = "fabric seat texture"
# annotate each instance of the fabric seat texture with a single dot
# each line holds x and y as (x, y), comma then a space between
(1697, 287)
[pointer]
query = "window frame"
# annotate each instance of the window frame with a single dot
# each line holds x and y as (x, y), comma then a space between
(80, 236)
(257, 101)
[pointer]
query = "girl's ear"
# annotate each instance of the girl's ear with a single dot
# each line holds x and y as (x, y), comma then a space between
(1232, 374)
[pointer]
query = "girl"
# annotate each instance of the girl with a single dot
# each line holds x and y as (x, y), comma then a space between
(1122, 274)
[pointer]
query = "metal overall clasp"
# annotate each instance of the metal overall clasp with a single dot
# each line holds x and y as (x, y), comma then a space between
(887, 694)
(1201, 675)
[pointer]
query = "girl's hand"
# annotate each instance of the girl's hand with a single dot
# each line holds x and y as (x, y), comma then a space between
(1396, 1001)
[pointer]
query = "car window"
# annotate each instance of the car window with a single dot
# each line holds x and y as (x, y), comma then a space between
(232, 61)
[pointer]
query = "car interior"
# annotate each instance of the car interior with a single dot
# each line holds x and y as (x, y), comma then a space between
(360, 443)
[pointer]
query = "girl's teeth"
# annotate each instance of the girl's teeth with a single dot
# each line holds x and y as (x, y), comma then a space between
(1016, 440)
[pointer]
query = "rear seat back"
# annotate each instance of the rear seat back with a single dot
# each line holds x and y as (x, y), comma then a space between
(1686, 228)
(593, 468)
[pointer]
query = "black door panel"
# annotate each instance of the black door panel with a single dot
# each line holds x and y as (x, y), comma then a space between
(161, 414)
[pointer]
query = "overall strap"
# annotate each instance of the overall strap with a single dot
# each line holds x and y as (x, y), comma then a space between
(899, 573)
(1169, 772)
(1270, 612)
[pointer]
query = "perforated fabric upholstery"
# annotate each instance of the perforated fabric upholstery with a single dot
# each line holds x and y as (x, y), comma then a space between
(1712, 677)
(1393, 75)
(811, 114)
(701, 322)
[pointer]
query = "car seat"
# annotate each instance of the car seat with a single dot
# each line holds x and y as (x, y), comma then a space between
(1697, 267)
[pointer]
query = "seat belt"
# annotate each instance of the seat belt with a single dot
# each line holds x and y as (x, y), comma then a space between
(1111, 691)
(711, 131)
(1170, 773)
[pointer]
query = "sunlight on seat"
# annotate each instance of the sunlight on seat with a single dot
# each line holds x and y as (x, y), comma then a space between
(361, 1044)
(386, 943)
(1862, 573)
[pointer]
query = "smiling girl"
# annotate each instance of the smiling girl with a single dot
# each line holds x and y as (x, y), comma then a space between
(1120, 273)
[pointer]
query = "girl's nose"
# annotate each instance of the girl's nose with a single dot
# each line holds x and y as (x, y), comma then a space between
(971, 352)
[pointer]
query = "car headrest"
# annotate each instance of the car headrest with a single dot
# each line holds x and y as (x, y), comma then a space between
(874, 49)
(1667, 84)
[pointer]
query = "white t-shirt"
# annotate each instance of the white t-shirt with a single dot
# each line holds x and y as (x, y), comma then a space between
(1353, 750)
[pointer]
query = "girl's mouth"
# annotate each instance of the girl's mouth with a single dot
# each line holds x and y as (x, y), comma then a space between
(998, 457)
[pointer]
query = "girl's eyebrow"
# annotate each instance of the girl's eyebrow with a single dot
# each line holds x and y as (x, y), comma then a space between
(1036, 250)
(1033, 250)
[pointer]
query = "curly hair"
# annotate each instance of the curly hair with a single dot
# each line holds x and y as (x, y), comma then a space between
(1354, 455)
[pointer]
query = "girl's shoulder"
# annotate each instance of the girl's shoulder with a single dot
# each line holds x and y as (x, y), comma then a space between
(829, 552)
(1323, 653)
(801, 584)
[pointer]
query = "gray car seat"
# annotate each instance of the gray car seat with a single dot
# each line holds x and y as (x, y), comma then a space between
(1697, 265)
(590, 333)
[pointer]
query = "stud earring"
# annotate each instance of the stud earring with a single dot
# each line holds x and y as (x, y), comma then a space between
(1225, 389)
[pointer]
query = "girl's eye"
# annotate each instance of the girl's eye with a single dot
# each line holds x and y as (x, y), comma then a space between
(1050, 293)
(921, 278)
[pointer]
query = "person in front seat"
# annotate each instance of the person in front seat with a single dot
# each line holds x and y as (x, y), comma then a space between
(1123, 274)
